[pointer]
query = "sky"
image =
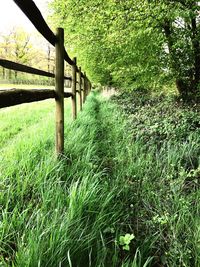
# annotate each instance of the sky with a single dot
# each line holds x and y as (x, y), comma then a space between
(11, 16)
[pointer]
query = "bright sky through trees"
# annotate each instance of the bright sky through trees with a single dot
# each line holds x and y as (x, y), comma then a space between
(12, 16)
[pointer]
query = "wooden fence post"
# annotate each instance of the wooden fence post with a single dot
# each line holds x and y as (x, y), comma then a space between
(84, 87)
(74, 106)
(87, 91)
(59, 87)
(80, 87)
(90, 86)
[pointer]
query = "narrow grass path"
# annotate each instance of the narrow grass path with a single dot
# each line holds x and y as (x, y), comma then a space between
(67, 213)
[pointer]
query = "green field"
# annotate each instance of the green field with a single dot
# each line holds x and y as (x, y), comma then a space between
(125, 194)
(23, 86)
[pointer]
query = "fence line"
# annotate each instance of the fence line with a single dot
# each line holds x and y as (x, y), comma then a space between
(23, 68)
(18, 96)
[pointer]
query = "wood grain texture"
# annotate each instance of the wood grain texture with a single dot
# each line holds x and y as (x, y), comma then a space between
(74, 77)
(59, 81)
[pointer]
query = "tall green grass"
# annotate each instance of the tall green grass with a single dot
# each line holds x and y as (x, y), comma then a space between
(110, 182)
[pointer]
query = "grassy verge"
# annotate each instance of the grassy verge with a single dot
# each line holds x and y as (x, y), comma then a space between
(122, 196)
(166, 172)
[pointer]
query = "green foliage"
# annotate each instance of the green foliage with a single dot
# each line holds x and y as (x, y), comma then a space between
(125, 241)
(168, 179)
(16, 46)
(156, 122)
(130, 44)
(107, 39)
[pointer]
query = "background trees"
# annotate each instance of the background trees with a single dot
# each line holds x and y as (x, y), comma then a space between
(135, 43)
(21, 47)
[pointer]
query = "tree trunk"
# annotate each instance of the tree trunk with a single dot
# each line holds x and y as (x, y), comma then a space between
(10, 74)
(3, 73)
(196, 51)
(181, 87)
(15, 74)
(48, 57)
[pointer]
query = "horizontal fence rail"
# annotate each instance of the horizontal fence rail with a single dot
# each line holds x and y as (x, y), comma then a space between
(80, 84)
(19, 96)
(23, 68)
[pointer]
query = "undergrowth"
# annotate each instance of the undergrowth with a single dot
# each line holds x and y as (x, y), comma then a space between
(167, 131)
(124, 194)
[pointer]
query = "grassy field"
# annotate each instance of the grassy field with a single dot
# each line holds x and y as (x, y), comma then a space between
(24, 86)
(126, 193)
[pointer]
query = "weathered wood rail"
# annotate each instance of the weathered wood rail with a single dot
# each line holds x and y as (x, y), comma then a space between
(81, 86)
(23, 68)
(13, 97)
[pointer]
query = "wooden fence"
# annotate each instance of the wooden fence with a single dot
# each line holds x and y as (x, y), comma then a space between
(82, 85)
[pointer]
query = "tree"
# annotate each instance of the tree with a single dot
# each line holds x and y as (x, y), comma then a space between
(182, 32)
(144, 43)
(112, 40)
(179, 23)
(4, 50)
(130, 44)
(18, 46)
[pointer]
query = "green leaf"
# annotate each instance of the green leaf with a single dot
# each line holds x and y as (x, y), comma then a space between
(126, 247)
